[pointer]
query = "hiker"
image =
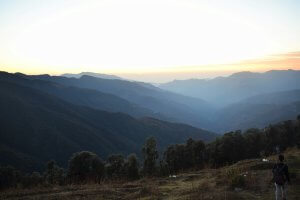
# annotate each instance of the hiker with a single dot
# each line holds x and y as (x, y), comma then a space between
(281, 177)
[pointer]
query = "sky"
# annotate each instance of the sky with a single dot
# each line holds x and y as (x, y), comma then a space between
(149, 40)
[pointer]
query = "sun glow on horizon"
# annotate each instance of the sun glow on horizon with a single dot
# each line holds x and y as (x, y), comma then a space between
(139, 36)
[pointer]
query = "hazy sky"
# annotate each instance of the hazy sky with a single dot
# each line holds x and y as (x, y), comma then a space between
(155, 40)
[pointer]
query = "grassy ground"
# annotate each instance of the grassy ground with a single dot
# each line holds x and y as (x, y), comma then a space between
(245, 180)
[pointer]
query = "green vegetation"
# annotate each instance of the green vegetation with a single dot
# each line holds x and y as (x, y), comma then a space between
(150, 156)
(201, 184)
(53, 175)
(85, 166)
(225, 168)
(37, 127)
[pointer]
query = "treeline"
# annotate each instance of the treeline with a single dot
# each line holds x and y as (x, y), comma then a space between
(84, 167)
(87, 167)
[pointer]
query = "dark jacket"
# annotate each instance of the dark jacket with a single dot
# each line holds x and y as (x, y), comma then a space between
(284, 168)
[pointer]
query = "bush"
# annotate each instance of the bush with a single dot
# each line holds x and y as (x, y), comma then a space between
(8, 177)
(115, 166)
(238, 181)
(234, 178)
(31, 180)
(132, 167)
(85, 166)
(54, 174)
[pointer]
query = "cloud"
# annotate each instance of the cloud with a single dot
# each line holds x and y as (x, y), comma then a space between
(295, 54)
(284, 61)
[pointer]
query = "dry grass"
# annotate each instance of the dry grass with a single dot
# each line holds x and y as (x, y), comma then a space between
(220, 184)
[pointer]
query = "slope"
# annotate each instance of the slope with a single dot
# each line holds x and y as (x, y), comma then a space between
(105, 76)
(37, 127)
(255, 184)
(223, 91)
(258, 111)
(79, 96)
(241, 116)
(174, 107)
(277, 98)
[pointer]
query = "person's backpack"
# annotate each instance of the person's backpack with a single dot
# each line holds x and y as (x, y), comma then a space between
(278, 173)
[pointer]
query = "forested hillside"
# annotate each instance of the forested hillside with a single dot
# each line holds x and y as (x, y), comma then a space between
(144, 100)
(246, 100)
(36, 127)
(80, 96)
(174, 107)
(230, 166)
(241, 116)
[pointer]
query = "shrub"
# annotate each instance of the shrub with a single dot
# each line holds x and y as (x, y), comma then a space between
(54, 174)
(8, 177)
(85, 166)
(234, 178)
(238, 181)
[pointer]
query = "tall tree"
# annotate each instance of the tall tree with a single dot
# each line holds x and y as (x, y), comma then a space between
(115, 166)
(85, 166)
(132, 167)
(54, 174)
(150, 155)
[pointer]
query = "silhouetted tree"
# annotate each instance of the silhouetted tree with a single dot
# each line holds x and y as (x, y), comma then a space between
(132, 167)
(85, 166)
(150, 156)
(227, 149)
(170, 157)
(115, 166)
(185, 156)
(199, 151)
(231, 147)
(31, 180)
(9, 177)
(255, 142)
(54, 174)
(36, 178)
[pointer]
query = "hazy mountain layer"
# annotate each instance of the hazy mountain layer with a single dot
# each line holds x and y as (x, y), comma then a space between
(258, 111)
(173, 107)
(241, 116)
(223, 91)
(79, 96)
(36, 127)
(277, 98)
(97, 75)
(142, 99)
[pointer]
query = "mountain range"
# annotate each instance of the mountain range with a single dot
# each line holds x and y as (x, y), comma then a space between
(165, 105)
(39, 124)
(245, 99)
(97, 75)
(222, 91)
(47, 117)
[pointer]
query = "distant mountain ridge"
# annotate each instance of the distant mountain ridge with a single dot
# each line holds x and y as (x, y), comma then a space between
(97, 75)
(174, 107)
(276, 98)
(241, 116)
(259, 111)
(244, 100)
(223, 91)
(79, 96)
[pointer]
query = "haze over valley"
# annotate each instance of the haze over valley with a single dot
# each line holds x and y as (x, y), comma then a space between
(148, 99)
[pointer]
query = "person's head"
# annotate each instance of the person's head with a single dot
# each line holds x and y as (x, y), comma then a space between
(281, 158)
